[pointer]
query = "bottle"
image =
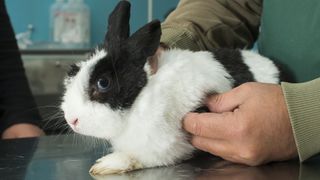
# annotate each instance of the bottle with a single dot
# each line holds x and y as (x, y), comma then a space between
(24, 38)
(76, 24)
(56, 21)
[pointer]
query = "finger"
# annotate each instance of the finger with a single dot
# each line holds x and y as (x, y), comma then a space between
(226, 101)
(209, 125)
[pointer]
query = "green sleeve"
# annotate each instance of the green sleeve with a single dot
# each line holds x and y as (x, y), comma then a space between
(208, 24)
(303, 102)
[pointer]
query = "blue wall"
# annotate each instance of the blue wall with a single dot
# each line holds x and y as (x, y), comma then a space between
(36, 12)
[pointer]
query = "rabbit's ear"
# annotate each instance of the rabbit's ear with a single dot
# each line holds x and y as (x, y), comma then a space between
(145, 41)
(118, 26)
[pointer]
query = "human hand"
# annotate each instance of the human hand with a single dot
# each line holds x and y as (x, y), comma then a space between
(22, 130)
(249, 125)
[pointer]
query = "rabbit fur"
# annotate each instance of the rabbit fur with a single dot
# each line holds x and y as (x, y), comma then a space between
(113, 95)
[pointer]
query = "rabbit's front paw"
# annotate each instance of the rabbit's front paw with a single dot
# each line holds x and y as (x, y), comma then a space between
(115, 163)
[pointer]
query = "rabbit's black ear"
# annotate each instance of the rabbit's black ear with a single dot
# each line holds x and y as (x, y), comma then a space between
(145, 41)
(118, 25)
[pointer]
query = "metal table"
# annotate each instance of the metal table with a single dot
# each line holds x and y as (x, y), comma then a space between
(67, 157)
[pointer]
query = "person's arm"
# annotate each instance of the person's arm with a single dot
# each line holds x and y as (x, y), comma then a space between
(208, 24)
(18, 111)
(303, 103)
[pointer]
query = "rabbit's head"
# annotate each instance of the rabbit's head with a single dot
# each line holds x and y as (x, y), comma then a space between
(100, 91)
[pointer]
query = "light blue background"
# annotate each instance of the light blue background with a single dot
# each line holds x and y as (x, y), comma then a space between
(36, 12)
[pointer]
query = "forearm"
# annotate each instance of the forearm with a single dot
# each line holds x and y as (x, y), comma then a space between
(303, 102)
(16, 102)
(208, 24)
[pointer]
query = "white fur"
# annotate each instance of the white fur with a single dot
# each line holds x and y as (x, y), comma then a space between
(117, 162)
(261, 67)
(91, 115)
(154, 122)
(150, 132)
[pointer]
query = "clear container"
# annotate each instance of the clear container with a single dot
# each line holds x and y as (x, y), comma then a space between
(76, 25)
(56, 21)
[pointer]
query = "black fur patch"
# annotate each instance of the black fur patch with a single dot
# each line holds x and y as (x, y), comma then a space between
(126, 57)
(232, 61)
(286, 74)
(202, 109)
(73, 71)
(126, 81)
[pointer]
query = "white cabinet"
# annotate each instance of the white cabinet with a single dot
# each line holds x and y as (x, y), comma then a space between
(45, 72)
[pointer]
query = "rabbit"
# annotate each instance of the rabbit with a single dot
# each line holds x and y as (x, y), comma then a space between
(115, 96)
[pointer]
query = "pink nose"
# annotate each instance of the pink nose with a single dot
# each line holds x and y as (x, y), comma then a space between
(74, 122)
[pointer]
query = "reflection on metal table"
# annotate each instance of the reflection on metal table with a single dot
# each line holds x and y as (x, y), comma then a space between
(67, 157)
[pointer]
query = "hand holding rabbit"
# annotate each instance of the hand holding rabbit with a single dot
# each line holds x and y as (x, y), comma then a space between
(249, 125)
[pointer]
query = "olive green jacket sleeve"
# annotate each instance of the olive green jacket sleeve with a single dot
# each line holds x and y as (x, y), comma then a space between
(208, 24)
(303, 102)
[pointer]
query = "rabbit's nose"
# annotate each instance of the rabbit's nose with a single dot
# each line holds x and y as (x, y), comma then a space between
(74, 122)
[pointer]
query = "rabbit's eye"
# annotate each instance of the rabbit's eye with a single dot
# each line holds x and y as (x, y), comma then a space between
(103, 84)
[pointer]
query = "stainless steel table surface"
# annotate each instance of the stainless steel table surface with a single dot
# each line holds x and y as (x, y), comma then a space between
(70, 157)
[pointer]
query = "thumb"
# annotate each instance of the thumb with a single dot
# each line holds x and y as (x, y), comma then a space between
(227, 101)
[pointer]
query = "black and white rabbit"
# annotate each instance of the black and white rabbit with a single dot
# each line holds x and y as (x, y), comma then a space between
(113, 95)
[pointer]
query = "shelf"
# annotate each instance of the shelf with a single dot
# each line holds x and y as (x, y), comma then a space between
(54, 51)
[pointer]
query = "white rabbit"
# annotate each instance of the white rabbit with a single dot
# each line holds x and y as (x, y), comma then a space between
(114, 96)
